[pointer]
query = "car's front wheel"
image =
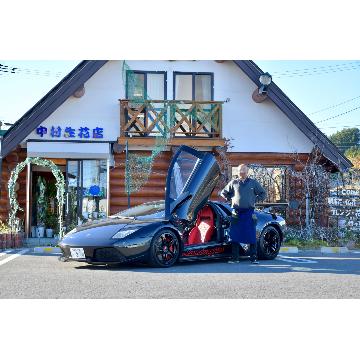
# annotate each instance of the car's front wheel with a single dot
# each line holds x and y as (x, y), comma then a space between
(164, 249)
(269, 243)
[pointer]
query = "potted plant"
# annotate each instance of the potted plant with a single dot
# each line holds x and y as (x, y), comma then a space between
(51, 224)
(41, 208)
(2, 241)
(3, 230)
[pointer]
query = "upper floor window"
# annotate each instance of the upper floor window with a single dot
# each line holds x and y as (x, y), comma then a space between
(193, 86)
(149, 85)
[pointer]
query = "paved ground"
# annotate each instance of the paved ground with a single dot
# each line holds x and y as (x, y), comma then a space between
(24, 274)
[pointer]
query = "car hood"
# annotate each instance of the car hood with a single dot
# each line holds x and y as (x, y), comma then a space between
(119, 222)
(101, 232)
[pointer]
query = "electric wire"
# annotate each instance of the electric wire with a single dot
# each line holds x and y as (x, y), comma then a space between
(317, 70)
(334, 106)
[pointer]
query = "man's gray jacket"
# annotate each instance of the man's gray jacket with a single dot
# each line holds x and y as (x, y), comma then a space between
(243, 194)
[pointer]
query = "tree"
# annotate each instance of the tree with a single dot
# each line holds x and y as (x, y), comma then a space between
(346, 138)
(353, 154)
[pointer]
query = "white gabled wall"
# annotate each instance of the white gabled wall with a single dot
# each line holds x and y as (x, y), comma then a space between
(252, 127)
(99, 107)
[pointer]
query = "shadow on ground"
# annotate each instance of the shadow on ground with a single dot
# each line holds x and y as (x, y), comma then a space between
(286, 264)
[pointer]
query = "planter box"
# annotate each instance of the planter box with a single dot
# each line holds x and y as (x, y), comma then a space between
(9, 241)
(334, 250)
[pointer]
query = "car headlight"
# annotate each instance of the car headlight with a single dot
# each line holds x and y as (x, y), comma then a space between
(282, 223)
(124, 233)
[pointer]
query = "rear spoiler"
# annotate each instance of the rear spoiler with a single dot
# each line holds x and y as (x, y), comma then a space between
(272, 205)
(271, 208)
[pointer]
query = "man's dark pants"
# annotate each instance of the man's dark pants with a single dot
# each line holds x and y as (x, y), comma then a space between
(235, 249)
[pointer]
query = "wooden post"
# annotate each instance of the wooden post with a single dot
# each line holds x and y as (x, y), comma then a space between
(123, 103)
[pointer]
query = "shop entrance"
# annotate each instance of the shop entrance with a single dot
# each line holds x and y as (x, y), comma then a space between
(85, 197)
(43, 209)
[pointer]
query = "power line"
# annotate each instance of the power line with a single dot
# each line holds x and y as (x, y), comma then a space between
(338, 115)
(334, 106)
(10, 70)
(317, 70)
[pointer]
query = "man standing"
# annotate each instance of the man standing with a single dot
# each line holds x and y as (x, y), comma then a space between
(243, 192)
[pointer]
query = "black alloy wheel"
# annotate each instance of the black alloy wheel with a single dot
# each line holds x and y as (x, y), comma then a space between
(164, 249)
(269, 243)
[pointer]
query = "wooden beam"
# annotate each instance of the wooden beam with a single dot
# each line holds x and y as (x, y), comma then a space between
(149, 142)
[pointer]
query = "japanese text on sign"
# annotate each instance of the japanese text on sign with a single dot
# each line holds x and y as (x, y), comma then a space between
(69, 132)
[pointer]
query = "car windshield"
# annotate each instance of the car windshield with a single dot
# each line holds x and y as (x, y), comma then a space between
(153, 209)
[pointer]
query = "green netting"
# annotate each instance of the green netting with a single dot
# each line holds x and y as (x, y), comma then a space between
(138, 167)
(167, 118)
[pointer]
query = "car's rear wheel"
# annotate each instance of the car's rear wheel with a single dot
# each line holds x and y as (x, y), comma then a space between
(269, 243)
(164, 249)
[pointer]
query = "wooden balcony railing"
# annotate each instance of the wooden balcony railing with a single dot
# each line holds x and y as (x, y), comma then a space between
(171, 119)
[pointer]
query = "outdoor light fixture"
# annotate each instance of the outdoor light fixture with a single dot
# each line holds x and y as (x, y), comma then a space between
(265, 80)
(260, 94)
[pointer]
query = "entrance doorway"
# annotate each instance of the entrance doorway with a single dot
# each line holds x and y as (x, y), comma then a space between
(86, 196)
(43, 207)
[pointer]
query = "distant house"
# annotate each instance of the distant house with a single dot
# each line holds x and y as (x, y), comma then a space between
(84, 123)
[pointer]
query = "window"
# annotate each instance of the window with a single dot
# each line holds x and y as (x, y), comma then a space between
(193, 86)
(149, 85)
(86, 191)
(274, 179)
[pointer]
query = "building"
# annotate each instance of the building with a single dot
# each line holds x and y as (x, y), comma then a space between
(85, 122)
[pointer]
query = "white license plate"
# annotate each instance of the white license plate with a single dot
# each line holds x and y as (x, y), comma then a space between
(77, 253)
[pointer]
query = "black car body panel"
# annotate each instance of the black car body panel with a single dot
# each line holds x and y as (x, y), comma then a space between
(128, 237)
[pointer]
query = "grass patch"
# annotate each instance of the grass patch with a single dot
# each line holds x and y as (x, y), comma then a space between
(305, 244)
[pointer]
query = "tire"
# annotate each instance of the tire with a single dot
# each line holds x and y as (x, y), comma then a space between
(269, 243)
(164, 249)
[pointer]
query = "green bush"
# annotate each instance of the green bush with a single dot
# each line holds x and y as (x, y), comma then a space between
(319, 236)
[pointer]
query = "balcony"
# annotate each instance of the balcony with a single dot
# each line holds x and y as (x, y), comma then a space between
(193, 123)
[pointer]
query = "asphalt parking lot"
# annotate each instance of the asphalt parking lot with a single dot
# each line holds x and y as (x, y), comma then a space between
(24, 274)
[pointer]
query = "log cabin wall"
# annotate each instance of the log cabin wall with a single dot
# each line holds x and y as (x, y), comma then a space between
(9, 163)
(154, 188)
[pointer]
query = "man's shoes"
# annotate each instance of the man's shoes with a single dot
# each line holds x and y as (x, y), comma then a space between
(254, 261)
(233, 261)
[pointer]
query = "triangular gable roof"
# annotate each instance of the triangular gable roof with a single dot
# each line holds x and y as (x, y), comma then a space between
(87, 68)
(48, 104)
(328, 149)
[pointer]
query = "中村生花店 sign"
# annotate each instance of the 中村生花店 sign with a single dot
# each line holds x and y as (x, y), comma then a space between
(68, 132)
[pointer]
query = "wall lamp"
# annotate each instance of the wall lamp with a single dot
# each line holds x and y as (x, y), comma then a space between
(260, 94)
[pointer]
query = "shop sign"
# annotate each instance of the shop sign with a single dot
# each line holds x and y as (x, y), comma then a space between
(69, 132)
(344, 204)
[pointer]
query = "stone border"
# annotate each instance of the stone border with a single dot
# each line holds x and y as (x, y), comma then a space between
(289, 250)
(47, 250)
(334, 250)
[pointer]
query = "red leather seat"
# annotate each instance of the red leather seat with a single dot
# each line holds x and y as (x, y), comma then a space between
(204, 227)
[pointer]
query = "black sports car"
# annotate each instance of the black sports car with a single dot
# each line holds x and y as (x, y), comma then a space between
(184, 226)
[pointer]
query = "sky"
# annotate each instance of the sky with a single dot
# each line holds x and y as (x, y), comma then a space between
(326, 91)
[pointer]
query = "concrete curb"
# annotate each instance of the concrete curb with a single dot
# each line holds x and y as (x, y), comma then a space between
(334, 250)
(47, 250)
(289, 250)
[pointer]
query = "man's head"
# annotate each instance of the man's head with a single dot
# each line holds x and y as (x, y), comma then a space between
(243, 171)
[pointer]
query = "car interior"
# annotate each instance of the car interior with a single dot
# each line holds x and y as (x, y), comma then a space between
(205, 227)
